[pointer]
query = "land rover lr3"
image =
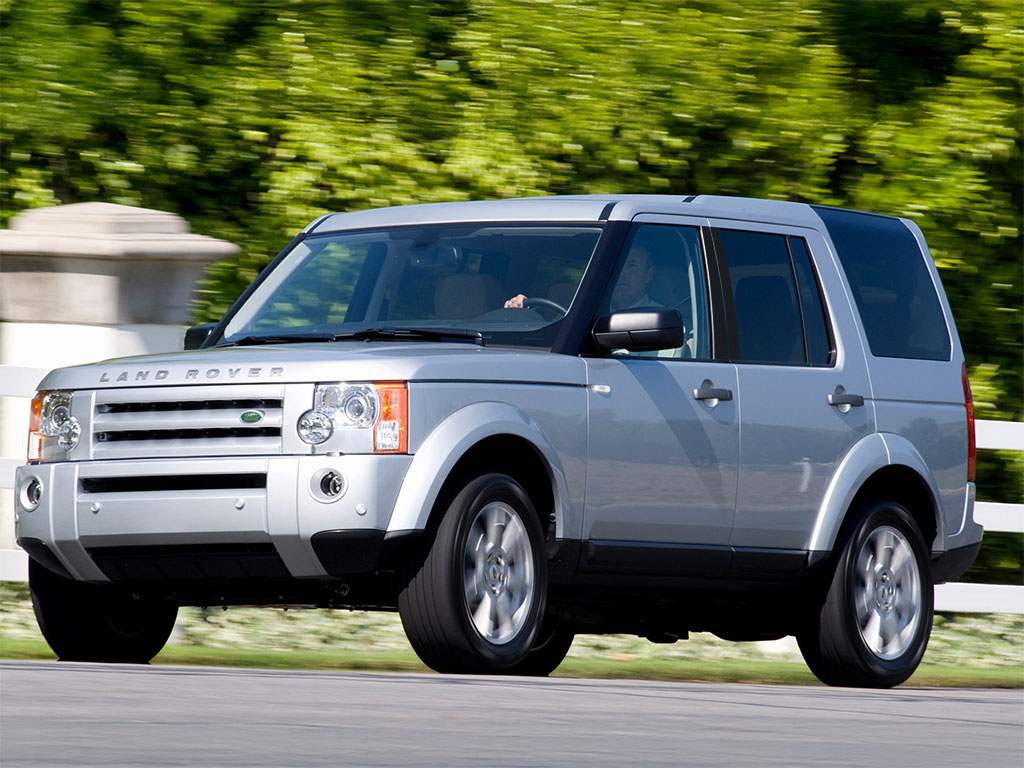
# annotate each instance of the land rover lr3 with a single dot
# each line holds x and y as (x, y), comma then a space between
(515, 421)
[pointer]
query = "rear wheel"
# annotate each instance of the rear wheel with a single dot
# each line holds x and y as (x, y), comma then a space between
(873, 627)
(99, 622)
(474, 602)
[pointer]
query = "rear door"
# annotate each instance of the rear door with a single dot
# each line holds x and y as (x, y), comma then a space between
(802, 384)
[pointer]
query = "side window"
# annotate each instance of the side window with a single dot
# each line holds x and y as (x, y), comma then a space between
(818, 336)
(891, 285)
(768, 320)
(663, 266)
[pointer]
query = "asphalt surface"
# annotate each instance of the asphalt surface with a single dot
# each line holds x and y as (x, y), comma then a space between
(55, 714)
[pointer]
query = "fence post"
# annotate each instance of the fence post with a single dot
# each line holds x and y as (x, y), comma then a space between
(84, 282)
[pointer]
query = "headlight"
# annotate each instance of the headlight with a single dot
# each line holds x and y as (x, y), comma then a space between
(380, 406)
(348, 405)
(56, 410)
(52, 425)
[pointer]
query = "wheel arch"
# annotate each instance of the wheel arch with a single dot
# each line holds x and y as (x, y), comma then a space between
(482, 436)
(884, 466)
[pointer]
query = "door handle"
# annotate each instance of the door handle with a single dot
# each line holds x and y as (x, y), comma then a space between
(708, 392)
(844, 398)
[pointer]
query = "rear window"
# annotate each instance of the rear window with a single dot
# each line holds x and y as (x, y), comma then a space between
(891, 285)
(768, 322)
(780, 317)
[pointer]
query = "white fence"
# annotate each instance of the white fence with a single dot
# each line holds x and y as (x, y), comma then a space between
(973, 598)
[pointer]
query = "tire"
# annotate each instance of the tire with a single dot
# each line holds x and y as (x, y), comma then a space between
(547, 652)
(873, 627)
(99, 622)
(473, 602)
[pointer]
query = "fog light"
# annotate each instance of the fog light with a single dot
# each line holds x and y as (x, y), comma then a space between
(314, 427)
(332, 484)
(31, 494)
(327, 485)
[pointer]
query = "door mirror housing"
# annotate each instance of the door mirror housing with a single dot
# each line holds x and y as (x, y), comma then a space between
(643, 329)
(197, 334)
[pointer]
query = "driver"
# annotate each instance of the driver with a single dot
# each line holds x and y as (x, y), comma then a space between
(631, 288)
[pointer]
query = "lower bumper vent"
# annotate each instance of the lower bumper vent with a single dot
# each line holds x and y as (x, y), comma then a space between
(190, 562)
(143, 484)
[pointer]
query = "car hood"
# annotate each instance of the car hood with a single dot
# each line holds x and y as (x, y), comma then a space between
(325, 361)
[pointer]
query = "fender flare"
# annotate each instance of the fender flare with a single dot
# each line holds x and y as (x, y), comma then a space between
(867, 456)
(450, 441)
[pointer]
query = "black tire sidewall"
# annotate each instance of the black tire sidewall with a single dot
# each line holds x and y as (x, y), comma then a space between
(840, 610)
(548, 651)
(452, 536)
(86, 622)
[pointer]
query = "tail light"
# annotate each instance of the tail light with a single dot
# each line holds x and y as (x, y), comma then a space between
(972, 448)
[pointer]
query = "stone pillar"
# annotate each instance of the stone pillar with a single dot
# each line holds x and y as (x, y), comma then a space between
(86, 282)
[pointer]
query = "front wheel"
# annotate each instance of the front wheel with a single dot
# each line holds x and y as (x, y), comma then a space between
(873, 627)
(99, 622)
(547, 652)
(474, 602)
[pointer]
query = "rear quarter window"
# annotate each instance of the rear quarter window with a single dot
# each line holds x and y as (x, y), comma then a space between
(891, 285)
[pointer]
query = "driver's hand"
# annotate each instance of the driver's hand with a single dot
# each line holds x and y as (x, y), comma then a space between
(516, 302)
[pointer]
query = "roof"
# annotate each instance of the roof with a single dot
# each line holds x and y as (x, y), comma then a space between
(577, 208)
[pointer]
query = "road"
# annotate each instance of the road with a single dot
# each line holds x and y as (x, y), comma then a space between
(92, 715)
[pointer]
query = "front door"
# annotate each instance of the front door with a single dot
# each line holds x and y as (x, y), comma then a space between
(663, 449)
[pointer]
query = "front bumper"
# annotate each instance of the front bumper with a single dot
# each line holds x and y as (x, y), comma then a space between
(89, 510)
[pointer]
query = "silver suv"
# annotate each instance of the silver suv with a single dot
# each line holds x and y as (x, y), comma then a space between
(516, 421)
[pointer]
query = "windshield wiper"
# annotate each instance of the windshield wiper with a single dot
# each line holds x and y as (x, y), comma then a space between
(368, 334)
(291, 338)
(413, 334)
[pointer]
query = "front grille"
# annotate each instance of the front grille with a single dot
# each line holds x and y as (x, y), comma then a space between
(142, 484)
(187, 421)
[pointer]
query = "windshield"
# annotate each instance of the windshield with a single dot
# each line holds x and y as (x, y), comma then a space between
(425, 278)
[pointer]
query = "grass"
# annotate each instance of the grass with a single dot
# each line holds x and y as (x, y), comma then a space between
(696, 670)
(966, 650)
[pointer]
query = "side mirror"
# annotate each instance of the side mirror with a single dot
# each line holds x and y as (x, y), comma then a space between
(197, 334)
(640, 330)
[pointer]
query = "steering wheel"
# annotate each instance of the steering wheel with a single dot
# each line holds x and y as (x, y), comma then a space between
(535, 302)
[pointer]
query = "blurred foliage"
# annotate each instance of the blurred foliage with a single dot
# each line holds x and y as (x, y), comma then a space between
(999, 560)
(1000, 479)
(253, 117)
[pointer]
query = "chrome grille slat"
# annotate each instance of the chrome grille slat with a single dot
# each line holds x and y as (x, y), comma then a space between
(144, 449)
(187, 405)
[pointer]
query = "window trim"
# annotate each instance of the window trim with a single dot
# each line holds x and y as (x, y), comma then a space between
(829, 334)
